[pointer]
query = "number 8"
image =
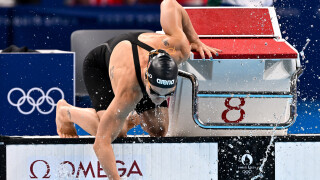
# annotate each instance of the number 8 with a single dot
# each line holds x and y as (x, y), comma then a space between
(224, 113)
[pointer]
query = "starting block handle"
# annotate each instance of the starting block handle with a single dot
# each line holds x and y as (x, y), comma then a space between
(196, 118)
(195, 90)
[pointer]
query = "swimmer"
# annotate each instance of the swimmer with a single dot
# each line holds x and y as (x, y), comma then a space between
(128, 79)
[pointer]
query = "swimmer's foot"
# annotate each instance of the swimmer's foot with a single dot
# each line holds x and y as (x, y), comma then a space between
(65, 128)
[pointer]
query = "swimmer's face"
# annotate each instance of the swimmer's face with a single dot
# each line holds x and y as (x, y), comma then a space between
(158, 95)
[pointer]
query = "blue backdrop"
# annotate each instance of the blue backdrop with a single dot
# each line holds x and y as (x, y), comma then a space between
(31, 85)
(299, 21)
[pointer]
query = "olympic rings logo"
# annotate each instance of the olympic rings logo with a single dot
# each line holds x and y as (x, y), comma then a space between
(246, 172)
(34, 103)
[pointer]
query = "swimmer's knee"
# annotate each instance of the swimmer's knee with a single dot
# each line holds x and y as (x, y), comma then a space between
(158, 131)
(99, 113)
(122, 135)
(159, 134)
(61, 103)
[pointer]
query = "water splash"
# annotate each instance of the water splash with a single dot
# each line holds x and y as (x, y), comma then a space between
(304, 47)
(64, 173)
(260, 175)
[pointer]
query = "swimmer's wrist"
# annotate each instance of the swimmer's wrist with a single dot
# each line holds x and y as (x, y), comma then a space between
(195, 40)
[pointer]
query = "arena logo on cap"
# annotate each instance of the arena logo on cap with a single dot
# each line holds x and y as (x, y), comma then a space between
(165, 82)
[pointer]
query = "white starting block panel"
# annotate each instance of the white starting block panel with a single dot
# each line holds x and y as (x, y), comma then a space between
(250, 85)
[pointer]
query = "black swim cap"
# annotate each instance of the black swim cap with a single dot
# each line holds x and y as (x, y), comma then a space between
(162, 70)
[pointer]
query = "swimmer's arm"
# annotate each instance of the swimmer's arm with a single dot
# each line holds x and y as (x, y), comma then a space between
(109, 127)
(175, 22)
(171, 23)
(193, 37)
(187, 27)
(171, 18)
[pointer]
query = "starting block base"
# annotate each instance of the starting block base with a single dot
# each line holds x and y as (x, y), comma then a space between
(164, 158)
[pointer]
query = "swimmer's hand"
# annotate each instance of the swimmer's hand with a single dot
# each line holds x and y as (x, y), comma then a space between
(202, 49)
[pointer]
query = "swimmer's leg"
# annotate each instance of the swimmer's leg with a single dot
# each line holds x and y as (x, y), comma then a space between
(66, 115)
(155, 121)
(133, 119)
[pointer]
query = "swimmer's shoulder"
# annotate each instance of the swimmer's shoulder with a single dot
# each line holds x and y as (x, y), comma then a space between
(151, 36)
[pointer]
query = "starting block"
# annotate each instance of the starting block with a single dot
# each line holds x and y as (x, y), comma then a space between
(251, 85)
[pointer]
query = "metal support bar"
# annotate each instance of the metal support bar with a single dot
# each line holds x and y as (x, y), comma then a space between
(206, 94)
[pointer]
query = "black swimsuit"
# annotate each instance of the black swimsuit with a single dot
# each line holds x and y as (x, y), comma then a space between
(96, 76)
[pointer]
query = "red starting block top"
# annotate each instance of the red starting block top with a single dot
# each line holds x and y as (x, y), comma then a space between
(241, 33)
(231, 21)
(250, 48)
